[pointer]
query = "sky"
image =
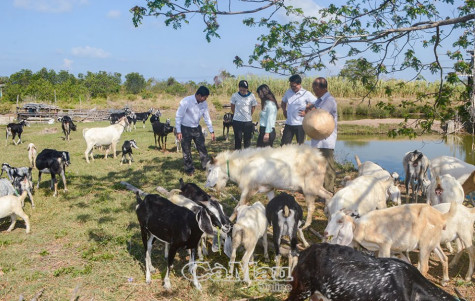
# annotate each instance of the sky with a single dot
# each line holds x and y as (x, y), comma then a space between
(98, 35)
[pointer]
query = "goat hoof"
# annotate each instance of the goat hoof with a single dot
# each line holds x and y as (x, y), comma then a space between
(444, 282)
(153, 270)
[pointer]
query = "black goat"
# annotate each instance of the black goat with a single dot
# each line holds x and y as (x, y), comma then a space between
(115, 117)
(178, 226)
(155, 116)
(14, 129)
(127, 149)
(227, 123)
(67, 125)
(53, 162)
(143, 116)
(341, 273)
(161, 130)
(285, 215)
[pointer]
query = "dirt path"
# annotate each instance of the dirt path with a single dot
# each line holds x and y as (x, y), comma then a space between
(377, 122)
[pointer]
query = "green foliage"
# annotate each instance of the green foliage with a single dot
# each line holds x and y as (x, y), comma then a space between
(134, 83)
(359, 71)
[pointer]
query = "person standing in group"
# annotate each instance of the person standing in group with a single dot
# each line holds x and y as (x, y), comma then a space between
(188, 128)
(295, 100)
(326, 146)
(267, 116)
(243, 104)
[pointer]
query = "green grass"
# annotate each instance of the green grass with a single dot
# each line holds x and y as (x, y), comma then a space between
(87, 241)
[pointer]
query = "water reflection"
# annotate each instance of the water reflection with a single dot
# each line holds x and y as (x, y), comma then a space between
(389, 152)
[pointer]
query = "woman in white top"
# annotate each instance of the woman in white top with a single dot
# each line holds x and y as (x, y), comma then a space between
(267, 116)
(243, 104)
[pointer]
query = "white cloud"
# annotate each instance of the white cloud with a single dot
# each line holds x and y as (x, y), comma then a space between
(49, 6)
(67, 64)
(113, 14)
(309, 8)
(90, 52)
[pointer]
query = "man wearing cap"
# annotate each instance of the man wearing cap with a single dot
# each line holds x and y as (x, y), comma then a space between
(188, 128)
(295, 100)
(243, 104)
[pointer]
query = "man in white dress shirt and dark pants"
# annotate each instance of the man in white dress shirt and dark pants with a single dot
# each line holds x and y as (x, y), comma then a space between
(188, 128)
(295, 100)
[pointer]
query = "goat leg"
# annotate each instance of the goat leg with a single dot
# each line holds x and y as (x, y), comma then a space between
(63, 176)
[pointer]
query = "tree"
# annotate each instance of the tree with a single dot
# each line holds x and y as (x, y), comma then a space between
(134, 83)
(386, 31)
(359, 70)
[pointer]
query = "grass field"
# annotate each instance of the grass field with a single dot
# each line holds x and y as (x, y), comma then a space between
(86, 243)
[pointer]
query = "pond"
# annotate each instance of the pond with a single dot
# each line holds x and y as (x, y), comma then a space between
(388, 153)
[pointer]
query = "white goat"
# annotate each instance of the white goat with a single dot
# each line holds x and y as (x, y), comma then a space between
(104, 136)
(32, 153)
(11, 205)
(445, 189)
(396, 229)
(463, 172)
(362, 195)
(251, 225)
(369, 168)
(460, 227)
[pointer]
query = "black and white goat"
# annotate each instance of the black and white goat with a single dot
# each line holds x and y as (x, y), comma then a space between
(115, 117)
(19, 185)
(53, 162)
(341, 273)
(67, 125)
(155, 116)
(178, 226)
(14, 129)
(132, 119)
(143, 116)
(227, 123)
(285, 215)
(160, 133)
(127, 150)
(416, 165)
(17, 174)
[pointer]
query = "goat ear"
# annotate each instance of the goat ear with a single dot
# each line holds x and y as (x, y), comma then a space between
(204, 221)
(345, 236)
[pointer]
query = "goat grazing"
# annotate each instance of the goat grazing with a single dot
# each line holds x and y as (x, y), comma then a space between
(53, 162)
(11, 205)
(143, 116)
(32, 153)
(340, 273)
(445, 189)
(416, 165)
(178, 226)
(127, 150)
(109, 135)
(67, 125)
(285, 215)
(227, 123)
(161, 130)
(398, 229)
(14, 129)
(19, 185)
(293, 167)
(251, 224)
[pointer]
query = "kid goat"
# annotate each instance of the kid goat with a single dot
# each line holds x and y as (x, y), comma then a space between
(127, 150)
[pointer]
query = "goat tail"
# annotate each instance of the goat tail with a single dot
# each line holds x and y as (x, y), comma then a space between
(73, 126)
(453, 209)
(358, 162)
(137, 196)
(182, 184)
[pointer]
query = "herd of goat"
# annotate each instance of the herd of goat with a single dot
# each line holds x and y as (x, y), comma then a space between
(358, 214)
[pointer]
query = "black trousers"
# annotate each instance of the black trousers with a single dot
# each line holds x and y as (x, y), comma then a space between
(290, 131)
(195, 134)
(242, 129)
(260, 139)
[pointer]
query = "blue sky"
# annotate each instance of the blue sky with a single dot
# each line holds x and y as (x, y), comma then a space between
(98, 35)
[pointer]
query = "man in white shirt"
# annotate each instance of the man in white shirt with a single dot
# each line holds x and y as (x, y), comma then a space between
(295, 101)
(326, 146)
(188, 128)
